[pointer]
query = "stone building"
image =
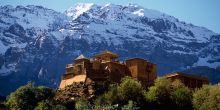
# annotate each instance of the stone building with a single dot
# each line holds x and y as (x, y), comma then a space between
(106, 68)
(188, 80)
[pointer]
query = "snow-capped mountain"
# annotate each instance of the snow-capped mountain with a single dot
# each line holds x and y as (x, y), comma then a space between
(36, 42)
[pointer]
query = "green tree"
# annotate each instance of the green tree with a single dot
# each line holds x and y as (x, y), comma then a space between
(60, 107)
(48, 105)
(112, 96)
(42, 93)
(167, 94)
(82, 104)
(22, 99)
(131, 89)
(207, 98)
(176, 84)
(160, 92)
(104, 107)
(130, 106)
(44, 105)
(182, 98)
(27, 97)
(119, 94)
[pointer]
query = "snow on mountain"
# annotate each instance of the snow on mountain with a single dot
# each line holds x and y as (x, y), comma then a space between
(26, 22)
(30, 16)
(114, 17)
(210, 55)
(204, 62)
(78, 9)
(36, 42)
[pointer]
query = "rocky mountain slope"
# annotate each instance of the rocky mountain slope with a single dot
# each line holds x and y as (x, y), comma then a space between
(36, 42)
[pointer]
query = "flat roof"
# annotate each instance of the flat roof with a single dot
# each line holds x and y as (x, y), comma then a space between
(107, 53)
(185, 75)
(77, 78)
(136, 58)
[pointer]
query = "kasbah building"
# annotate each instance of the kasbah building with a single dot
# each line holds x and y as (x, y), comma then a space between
(105, 68)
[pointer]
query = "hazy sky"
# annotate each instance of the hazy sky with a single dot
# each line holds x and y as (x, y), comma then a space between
(204, 13)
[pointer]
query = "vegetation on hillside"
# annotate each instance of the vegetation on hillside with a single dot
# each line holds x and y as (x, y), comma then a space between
(128, 95)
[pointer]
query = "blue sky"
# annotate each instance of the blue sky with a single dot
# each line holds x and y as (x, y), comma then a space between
(204, 13)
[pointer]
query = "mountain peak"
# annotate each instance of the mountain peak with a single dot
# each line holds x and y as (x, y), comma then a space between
(78, 9)
(134, 10)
